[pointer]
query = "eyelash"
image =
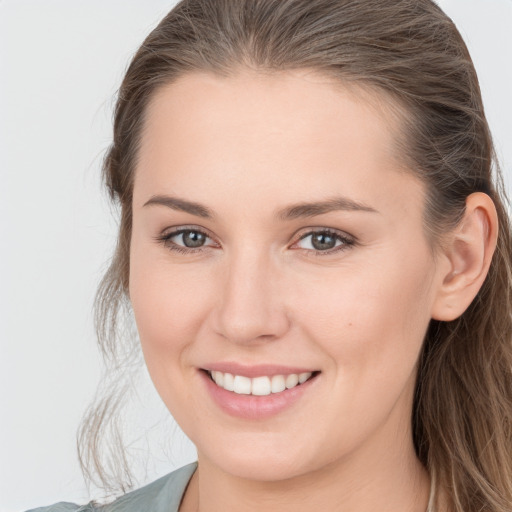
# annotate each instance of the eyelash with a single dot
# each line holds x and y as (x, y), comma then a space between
(347, 242)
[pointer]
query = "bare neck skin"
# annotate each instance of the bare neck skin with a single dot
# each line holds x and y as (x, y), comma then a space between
(383, 475)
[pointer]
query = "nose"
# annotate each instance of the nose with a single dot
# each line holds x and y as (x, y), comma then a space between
(250, 305)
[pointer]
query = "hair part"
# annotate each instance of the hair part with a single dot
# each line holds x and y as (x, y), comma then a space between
(410, 52)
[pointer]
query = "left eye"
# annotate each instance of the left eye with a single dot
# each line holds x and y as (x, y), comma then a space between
(322, 241)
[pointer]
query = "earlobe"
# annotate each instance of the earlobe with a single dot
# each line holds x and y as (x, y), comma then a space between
(468, 254)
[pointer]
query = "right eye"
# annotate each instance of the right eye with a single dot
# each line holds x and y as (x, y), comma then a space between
(186, 240)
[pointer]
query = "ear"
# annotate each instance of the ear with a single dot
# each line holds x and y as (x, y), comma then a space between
(466, 258)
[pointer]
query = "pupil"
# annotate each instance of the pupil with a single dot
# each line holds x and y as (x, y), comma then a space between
(322, 241)
(193, 239)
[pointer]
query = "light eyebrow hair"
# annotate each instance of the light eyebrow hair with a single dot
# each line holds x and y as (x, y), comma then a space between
(295, 211)
(182, 205)
(320, 207)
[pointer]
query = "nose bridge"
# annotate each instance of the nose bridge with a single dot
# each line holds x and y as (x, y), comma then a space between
(250, 302)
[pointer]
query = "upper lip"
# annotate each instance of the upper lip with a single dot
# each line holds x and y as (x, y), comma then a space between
(257, 370)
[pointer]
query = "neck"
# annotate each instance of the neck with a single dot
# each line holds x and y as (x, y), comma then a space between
(383, 475)
(324, 490)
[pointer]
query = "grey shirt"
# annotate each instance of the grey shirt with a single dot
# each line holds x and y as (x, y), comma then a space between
(162, 495)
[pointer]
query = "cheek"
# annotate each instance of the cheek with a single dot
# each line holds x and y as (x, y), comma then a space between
(370, 319)
(169, 303)
(370, 323)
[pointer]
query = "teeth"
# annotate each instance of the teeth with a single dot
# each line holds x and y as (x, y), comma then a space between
(242, 385)
(229, 381)
(303, 377)
(278, 383)
(259, 386)
(292, 380)
(218, 377)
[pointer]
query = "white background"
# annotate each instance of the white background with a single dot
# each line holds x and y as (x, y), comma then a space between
(60, 65)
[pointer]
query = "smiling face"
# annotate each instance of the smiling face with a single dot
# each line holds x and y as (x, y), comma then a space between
(274, 233)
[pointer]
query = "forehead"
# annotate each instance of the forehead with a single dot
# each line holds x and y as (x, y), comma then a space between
(300, 103)
(259, 132)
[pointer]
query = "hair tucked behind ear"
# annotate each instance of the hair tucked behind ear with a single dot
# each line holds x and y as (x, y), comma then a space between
(410, 52)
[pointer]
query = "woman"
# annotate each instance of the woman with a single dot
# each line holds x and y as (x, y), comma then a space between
(315, 245)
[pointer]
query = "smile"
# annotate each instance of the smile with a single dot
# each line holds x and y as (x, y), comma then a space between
(257, 392)
(259, 386)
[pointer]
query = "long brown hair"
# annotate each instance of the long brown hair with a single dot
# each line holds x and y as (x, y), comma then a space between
(411, 52)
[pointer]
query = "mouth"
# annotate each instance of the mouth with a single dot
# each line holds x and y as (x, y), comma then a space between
(258, 392)
(263, 385)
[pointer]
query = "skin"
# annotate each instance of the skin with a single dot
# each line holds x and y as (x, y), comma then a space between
(246, 147)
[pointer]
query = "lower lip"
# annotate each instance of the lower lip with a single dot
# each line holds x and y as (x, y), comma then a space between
(254, 407)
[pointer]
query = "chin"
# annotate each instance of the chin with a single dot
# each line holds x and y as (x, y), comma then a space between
(262, 469)
(263, 462)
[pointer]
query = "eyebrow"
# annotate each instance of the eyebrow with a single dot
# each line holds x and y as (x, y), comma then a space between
(181, 205)
(295, 211)
(302, 210)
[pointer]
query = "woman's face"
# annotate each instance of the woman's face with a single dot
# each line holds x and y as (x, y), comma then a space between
(275, 234)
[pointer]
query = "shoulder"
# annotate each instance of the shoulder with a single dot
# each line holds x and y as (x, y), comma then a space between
(63, 507)
(162, 495)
